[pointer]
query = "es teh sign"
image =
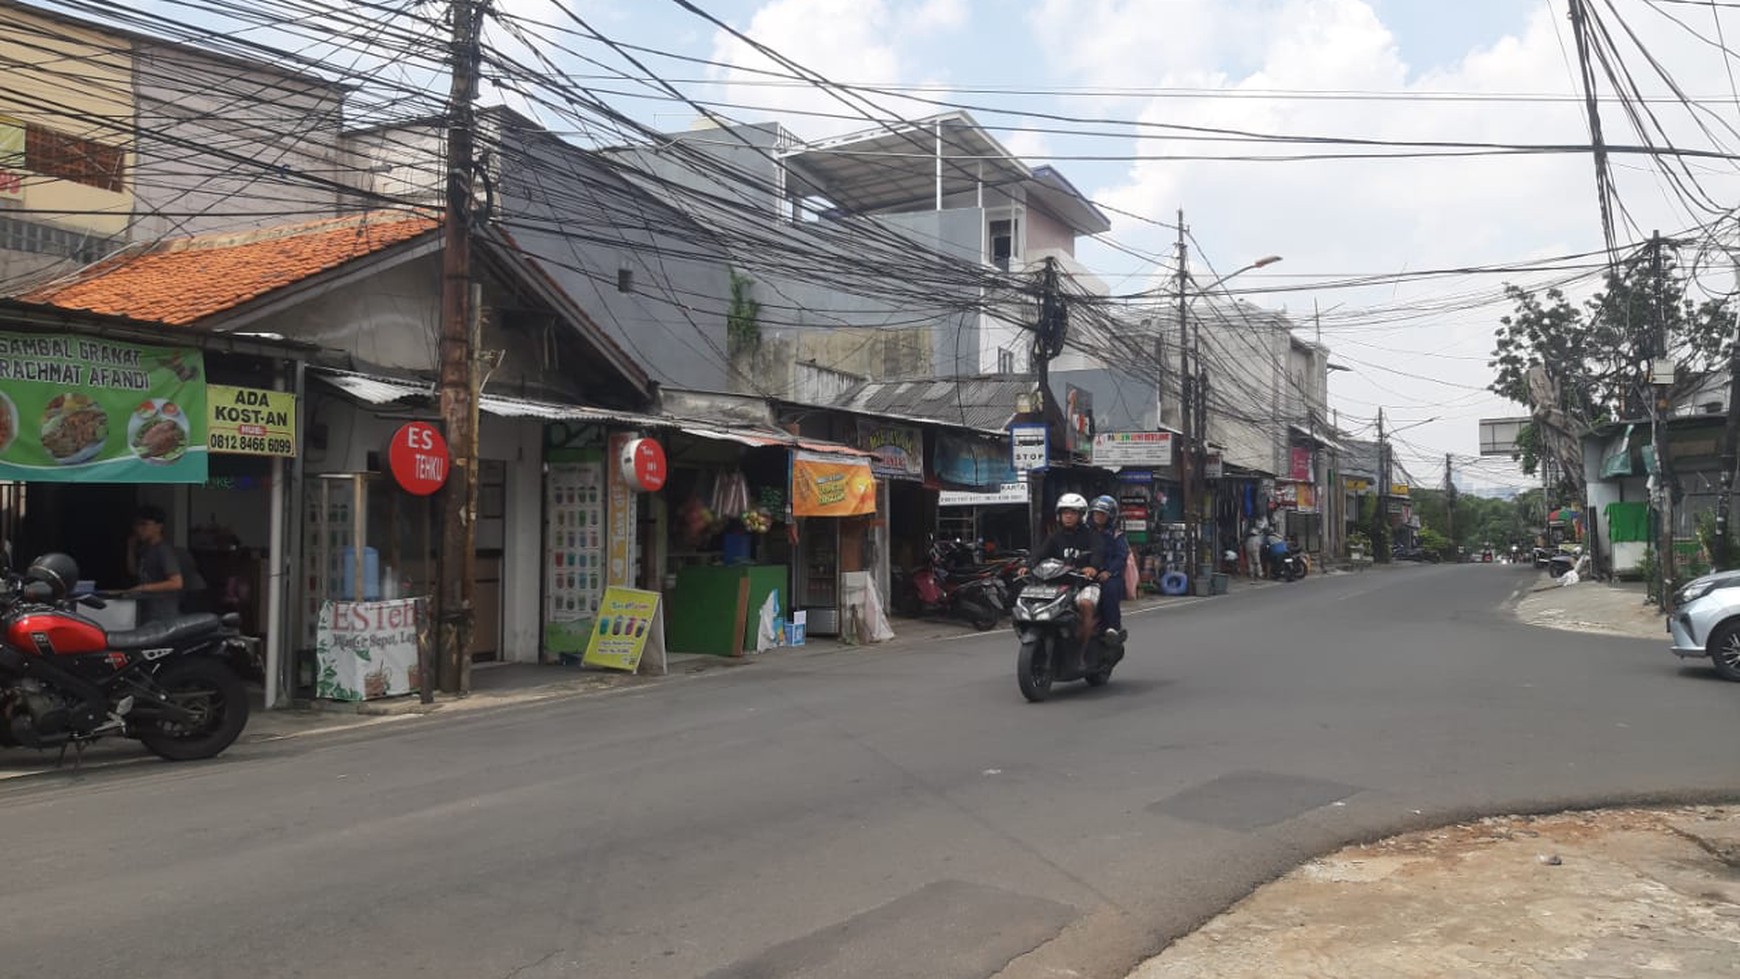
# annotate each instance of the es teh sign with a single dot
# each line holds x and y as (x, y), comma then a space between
(418, 458)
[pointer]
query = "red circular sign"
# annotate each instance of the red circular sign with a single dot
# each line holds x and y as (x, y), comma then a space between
(643, 465)
(418, 457)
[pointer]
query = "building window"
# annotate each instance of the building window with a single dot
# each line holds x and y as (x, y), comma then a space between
(1006, 361)
(1003, 251)
(81, 161)
(45, 239)
(625, 280)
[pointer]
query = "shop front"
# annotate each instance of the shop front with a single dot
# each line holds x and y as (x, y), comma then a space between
(95, 426)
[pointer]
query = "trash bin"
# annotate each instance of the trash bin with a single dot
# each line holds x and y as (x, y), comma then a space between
(1218, 584)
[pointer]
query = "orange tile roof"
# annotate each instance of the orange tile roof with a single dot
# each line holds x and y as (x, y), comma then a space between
(184, 281)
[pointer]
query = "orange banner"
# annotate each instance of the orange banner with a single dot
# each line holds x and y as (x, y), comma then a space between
(831, 486)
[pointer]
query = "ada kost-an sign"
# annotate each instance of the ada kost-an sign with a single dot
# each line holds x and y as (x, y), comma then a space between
(418, 458)
(251, 421)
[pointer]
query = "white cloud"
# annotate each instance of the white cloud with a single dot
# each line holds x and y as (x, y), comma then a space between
(1364, 217)
(852, 42)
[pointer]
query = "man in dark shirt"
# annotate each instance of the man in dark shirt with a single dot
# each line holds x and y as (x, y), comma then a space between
(1081, 547)
(156, 567)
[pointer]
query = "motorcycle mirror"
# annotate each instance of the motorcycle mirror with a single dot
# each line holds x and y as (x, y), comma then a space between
(92, 601)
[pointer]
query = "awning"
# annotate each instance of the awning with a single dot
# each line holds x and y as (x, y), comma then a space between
(376, 389)
(1317, 437)
(762, 438)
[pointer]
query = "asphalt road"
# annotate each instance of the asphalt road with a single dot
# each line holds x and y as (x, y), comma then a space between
(878, 813)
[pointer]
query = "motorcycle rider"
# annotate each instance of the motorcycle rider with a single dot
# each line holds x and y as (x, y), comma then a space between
(1082, 548)
(1103, 515)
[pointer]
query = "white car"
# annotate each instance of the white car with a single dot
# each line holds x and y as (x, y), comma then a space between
(1706, 621)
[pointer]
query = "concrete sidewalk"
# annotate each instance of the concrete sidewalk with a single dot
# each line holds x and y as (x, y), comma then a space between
(1618, 894)
(1613, 609)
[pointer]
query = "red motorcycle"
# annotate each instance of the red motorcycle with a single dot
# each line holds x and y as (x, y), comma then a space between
(950, 585)
(66, 682)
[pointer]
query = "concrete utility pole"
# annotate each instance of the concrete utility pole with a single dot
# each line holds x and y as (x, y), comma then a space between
(1049, 334)
(1380, 547)
(1730, 451)
(1186, 407)
(1657, 398)
(1449, 501)
(459, 359)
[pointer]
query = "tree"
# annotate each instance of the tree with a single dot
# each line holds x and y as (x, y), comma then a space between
(1596, 356)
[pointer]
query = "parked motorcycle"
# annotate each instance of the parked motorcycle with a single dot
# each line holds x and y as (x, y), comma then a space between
(1046, 622)
(66, 682)
(975, 594)
(1290, 567)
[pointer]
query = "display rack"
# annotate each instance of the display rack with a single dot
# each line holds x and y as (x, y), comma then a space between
(574, 541)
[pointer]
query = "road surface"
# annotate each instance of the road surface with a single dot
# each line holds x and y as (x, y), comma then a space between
(871, 813)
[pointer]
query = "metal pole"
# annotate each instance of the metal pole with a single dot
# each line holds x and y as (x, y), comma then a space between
(457, 355)
(1186, 395)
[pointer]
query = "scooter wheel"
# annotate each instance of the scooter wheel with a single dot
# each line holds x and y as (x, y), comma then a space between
(1033, 670)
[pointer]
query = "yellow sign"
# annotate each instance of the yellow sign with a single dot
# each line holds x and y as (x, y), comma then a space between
(627, 620)
(831, 486)
(621, 506)
(249, 421)
(1357, 485)
(1398, 489)
(11, 159)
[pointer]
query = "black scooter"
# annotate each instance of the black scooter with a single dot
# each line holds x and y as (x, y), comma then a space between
(1046, 622)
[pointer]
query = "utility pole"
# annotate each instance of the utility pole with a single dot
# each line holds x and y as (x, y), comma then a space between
(1187, 458)
(1663, 472)
(459, 358)
(1380, 538)
(1449, 502)
(1049, 335)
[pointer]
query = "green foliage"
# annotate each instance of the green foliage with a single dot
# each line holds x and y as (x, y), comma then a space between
(1358, 541)
(1598, 351)
(1706, 531)
(743, 318)
(1433, 542)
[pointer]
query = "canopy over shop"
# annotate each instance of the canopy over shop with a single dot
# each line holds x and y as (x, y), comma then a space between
(99, 416)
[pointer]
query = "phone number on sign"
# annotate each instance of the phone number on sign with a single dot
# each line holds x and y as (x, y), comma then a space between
(256, 444)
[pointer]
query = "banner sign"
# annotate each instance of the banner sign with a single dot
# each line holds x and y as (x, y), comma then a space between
(1357, 486)
(1132, 449)
(969, 463)
(831, 486)
(368, 650)
(1008, 493)
(621, 507)
(251, 421)
(898, 450)
(1299, 465)
(1079, 411)
(1029, 447)
(1398, 489)
(82, 410)
(1215, 468)
(628, 622)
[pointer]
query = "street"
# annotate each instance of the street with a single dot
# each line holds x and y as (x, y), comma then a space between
(881, 813)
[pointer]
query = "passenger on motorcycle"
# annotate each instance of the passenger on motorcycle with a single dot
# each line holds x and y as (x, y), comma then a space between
(1103, 515)
(1082, 548)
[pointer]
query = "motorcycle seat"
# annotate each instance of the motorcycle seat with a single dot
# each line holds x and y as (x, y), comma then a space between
(169, 632)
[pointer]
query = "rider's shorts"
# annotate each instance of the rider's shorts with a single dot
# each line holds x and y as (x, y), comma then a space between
(1089, 593)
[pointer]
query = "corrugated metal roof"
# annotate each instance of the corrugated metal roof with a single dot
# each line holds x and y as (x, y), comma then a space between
(505, 407)
(764, 438)
(373, 389)
(985, 402)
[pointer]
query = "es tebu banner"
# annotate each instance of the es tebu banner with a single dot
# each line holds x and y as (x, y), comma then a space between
(83, 410)
(831, 486)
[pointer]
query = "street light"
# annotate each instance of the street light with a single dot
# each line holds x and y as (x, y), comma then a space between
(1196, 442)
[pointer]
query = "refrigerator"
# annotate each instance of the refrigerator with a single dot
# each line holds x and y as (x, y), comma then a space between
(817, 570)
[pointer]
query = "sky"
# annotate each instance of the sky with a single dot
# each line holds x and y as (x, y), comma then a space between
(1474, 70)
(1128, 73)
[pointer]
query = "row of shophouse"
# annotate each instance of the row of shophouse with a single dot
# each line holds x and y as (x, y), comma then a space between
(202, 316)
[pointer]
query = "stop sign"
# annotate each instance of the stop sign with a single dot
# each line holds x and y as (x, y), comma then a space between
(418, 458)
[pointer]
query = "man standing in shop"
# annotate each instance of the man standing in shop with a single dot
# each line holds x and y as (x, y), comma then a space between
(156, 567)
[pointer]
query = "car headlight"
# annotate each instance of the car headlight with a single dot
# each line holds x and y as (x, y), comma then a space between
(1693, 592)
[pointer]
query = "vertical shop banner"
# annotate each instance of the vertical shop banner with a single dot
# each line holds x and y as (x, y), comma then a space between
(629, 624)
(831, 486)
(81, 410)
(898, 450)
(1079, 411)
(368, 650)
(1299, 465)
(620, 504)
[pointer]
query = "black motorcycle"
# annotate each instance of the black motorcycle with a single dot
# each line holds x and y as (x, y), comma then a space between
(1046, 621)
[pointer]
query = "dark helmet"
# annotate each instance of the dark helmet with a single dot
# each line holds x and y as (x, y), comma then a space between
(59, 572)
(1105, 505)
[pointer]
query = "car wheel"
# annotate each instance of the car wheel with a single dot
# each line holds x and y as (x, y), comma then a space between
(1724, 647)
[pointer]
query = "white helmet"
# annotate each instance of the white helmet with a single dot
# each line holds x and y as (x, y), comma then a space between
(1072, 501)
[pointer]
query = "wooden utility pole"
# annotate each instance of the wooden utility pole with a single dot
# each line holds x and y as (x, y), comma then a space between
(1730, 453)
(1657, 395)
(1380, 538)
(459, 358)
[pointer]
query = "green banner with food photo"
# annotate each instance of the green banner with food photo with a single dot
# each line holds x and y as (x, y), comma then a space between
(77, 409)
